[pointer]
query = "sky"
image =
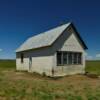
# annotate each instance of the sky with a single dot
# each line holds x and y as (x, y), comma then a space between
(21, 19)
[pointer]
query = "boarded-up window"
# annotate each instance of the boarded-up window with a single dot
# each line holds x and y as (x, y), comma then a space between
(64, 58)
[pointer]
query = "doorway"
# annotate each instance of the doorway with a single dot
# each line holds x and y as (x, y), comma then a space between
(30, 63)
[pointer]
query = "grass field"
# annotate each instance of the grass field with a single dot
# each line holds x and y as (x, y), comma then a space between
(25, 86)
(7, 64)
(93, 67)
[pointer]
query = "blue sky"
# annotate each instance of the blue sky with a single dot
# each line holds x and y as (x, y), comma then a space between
(20, 19)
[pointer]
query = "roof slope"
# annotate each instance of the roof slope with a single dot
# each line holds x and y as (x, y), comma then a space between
(43, 39)
(47, 38)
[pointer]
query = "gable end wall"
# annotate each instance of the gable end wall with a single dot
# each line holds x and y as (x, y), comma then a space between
(73, 44)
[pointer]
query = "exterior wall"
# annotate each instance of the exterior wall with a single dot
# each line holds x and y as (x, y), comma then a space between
(22, 66)
(42, 61)
(70, 69)
(42, 65)
(70, 44)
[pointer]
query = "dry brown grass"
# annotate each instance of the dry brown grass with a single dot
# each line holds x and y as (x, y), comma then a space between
(16, 85)
(26, 86)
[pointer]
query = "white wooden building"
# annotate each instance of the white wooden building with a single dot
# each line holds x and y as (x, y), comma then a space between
(57, 52)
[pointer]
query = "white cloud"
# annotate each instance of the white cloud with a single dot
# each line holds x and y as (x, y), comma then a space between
(98, 55)
(89, 57)
(1, 50)
(86, 53)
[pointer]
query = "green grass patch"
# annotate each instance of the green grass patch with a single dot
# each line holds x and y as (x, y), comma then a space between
(7, 64)
(93, 67)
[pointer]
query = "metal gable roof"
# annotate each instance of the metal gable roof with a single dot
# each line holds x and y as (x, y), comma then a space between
(43, 39)
(47, 38)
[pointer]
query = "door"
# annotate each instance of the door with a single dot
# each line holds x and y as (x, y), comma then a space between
(30, 63)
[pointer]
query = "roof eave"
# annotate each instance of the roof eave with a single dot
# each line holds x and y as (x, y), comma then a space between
(84, 45)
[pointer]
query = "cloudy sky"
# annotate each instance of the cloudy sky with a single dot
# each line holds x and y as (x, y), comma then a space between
(20, 19)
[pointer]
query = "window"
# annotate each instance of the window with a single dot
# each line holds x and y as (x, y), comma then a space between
(65, 54)
(79, 58)
(22, 57)
(69, 58)
(59, 56)
(75, 58)
(64, 58)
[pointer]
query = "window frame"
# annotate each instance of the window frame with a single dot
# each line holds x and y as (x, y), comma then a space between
(72, 58)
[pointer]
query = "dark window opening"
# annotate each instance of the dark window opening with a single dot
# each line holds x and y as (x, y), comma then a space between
(64, 57)
(22, 58)
(79, 58)
(69, 58)
(75, 58)
(59, 56)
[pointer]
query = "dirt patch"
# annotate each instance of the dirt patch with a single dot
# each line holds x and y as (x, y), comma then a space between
(32, 85)
(72, 79)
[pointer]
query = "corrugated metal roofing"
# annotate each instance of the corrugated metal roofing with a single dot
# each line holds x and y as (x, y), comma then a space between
(43, 39)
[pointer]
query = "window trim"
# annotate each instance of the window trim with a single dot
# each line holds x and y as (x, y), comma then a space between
(62, 64)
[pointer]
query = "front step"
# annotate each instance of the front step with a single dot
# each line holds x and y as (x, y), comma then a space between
(59, 75)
